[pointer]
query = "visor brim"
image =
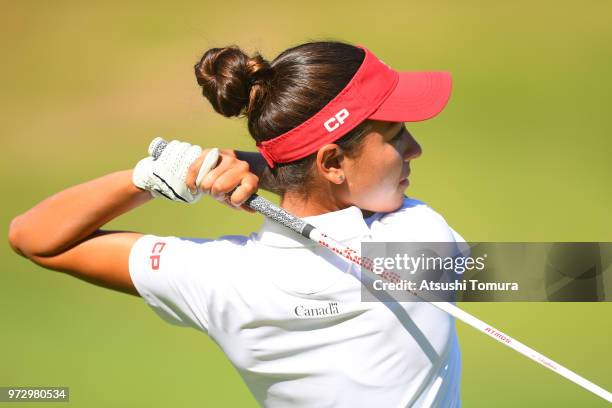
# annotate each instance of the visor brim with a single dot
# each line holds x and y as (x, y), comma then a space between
(417, 96)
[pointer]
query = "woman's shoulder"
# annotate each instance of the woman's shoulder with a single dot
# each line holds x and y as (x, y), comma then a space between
(413, 221)
(190, 258)
(225, 240)
(190, 247)
(412, 210)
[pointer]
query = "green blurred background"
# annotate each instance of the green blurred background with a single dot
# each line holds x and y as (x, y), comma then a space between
(521, 153)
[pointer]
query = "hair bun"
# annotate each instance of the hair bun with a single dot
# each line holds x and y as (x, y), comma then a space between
(258, 69)
(232, 81)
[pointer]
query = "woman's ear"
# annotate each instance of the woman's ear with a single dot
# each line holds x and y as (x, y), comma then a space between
(329, 163)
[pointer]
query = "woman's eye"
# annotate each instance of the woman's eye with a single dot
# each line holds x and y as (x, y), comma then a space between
(398, 135)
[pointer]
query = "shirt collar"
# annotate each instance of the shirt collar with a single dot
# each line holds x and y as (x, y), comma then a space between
(343, 225)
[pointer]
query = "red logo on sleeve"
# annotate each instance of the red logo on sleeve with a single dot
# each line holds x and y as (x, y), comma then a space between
(155, 257)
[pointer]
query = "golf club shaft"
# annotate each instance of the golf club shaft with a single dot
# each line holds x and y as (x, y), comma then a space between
(270, 210)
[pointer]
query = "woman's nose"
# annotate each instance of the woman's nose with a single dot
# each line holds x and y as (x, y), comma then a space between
(413, 149)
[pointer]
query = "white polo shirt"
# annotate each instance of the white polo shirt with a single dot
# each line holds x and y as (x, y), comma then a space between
(288, 314)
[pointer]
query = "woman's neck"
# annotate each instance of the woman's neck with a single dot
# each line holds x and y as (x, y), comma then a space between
(315, 203)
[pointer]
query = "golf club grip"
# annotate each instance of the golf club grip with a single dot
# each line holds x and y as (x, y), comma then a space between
(268, 209)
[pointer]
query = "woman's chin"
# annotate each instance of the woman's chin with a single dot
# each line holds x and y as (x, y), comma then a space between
(389, 205)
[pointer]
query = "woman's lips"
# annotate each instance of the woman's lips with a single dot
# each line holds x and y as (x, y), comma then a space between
(404, 180)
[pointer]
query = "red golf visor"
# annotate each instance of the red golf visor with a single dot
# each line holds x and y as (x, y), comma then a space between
(375, 92)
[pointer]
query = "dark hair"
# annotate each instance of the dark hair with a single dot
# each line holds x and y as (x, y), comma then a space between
(278, 96)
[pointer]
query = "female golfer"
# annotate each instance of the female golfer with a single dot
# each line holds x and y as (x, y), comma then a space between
(328, 120)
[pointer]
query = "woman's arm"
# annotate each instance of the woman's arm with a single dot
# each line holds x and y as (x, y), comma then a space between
(62, 232)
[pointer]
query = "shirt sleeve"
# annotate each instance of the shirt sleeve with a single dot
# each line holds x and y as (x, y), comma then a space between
(171, 274)
(462, 246)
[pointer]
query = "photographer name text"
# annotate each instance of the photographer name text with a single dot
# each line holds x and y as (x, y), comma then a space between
(456, 285)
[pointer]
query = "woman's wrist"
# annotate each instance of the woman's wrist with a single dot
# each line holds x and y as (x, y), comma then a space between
(257, 164)
(259, 167)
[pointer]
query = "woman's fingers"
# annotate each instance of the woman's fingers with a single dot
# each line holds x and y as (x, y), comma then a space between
(225, 163)
(194, 169)
(237, 183)
(230, 183)
(248, 187)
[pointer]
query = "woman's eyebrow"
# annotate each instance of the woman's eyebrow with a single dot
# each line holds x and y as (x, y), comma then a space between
(390, 126)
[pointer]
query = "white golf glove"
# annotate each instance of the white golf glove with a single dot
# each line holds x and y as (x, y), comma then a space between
(165, 175)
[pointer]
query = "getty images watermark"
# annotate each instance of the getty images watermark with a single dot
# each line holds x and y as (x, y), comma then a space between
(487, 271)
(420, 263)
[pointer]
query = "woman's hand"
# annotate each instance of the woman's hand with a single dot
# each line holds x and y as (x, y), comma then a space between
(230, 182)
(164, 171)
